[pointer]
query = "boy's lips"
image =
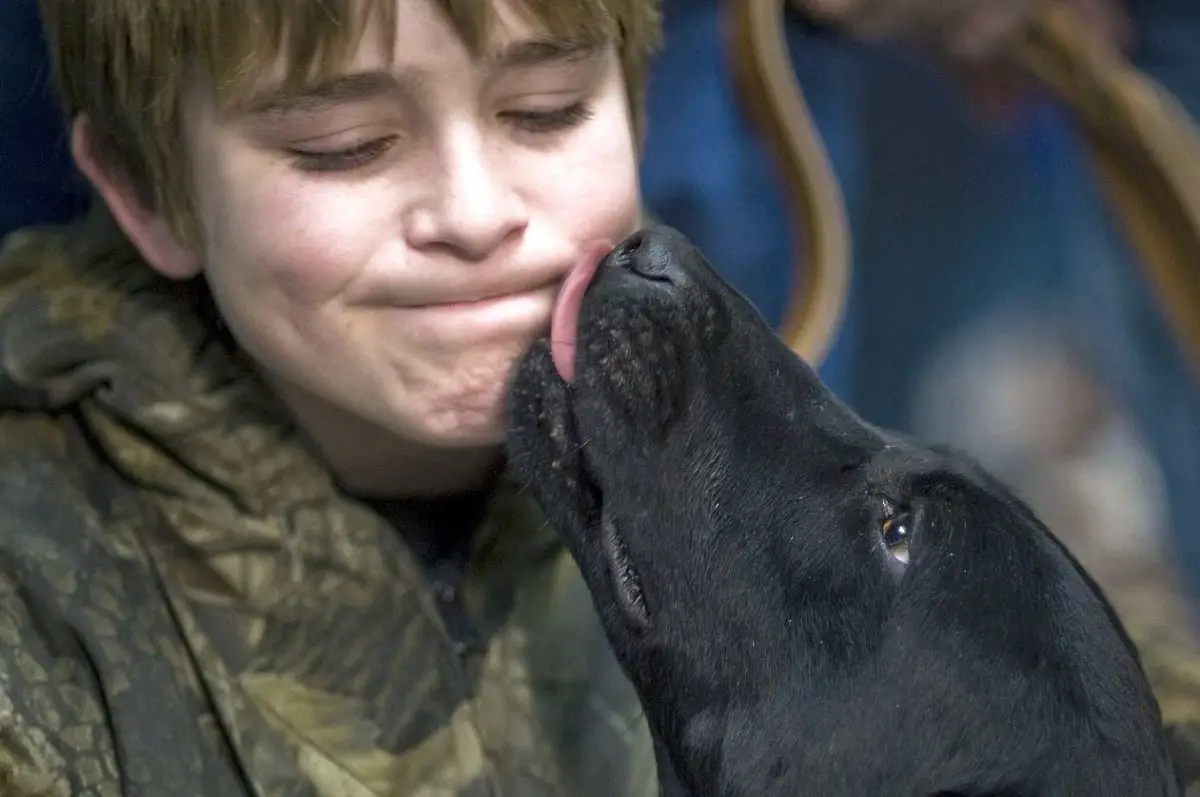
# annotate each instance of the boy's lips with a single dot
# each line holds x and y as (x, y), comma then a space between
(473, 323)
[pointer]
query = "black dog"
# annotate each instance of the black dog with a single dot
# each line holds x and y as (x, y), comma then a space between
(808, 605)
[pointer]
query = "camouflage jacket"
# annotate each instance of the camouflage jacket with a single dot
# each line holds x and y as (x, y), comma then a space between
(188, 605)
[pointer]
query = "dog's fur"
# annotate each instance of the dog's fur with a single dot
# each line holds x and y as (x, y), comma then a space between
(726, 511)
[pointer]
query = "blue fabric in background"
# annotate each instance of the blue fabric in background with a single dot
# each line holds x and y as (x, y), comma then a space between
(706, 173)
(38, 183)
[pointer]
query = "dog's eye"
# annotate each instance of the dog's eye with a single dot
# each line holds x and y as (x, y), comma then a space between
(895, 531)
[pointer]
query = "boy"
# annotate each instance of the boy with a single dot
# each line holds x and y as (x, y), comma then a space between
(287, 566)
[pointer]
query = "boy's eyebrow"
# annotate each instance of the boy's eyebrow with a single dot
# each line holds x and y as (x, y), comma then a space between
(534, 52)
(361, 86)
(350, 87)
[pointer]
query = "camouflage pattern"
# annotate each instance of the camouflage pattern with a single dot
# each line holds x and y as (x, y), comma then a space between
(188, 605)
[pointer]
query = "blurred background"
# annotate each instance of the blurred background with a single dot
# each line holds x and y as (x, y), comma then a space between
(994, 304)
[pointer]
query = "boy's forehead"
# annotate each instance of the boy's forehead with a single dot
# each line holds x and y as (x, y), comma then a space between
(497, 33)
(278, 98)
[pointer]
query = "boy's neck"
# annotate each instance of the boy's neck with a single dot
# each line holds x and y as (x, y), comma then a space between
(374, 465)
(407, 470)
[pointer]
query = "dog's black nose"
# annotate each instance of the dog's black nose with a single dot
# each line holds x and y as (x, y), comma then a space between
(650, 253)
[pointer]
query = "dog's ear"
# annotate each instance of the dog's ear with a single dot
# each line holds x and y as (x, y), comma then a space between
(1110, 779)
(668, 781)
(1184, 743)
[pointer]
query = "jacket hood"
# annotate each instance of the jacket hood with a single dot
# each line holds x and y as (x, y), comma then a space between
(82, 316)
(86, 326)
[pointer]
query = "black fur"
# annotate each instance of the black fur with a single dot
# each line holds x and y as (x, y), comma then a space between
(726, 512)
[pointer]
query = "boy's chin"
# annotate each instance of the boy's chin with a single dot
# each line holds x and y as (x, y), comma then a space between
(485, 429)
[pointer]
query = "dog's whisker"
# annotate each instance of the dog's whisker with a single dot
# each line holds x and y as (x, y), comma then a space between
(524, 488)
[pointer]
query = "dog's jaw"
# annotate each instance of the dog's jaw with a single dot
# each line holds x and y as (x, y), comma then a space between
(551, 460)
(544, 449)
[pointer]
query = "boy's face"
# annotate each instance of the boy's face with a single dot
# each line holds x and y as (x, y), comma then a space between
(386, 247)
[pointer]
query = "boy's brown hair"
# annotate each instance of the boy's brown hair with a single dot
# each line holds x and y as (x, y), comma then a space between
(125, 63)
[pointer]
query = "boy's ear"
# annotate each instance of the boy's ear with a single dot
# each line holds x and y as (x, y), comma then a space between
(145, 227)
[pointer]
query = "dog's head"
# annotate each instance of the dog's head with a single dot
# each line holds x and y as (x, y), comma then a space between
(800, 599)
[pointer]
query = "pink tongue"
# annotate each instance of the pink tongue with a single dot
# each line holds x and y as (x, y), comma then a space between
(564, 320)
